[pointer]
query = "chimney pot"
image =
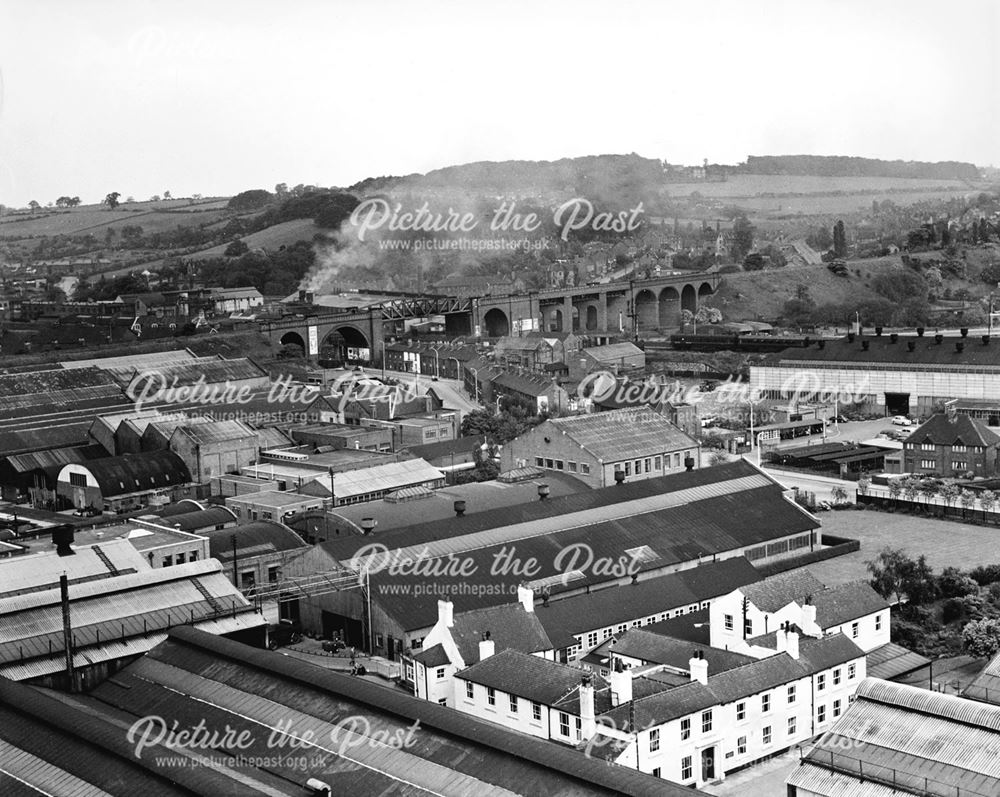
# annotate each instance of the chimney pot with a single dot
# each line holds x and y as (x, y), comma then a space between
(619, 477)
(543, 492)
(964, 332)
(850, 337)
(911, 345)
(864, 345)
(62, 538)
(878, 331)
(367, 525)
(460, 507)
(959, 345)
(939, 338)
(689, 463)
(986, 340)
(920, 332)
(822, 344)
(893, 337)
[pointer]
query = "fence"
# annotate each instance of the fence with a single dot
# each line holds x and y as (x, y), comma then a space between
(881, 497)
(887, 776)
(832, 547)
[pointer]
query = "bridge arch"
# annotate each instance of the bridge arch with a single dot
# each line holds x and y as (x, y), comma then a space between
(616, 313)
(704, 291)
(293, 338)
(591, 321)
(670, 307)
(496, 322)
(346, 343)
(646, 310)
(575, 324)
(689, 298)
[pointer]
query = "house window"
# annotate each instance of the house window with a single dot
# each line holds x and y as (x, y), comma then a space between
(579, 723)
(193, 557)
(78, 479)
(685, 728)
(748, 627)
(628, 468)
(168, 561)
(959, 464)
(958, 449)
(536, 712)
(791, 694)
(638, 467)
(836, 677)
(656, 463)
(852, 671)
(687, 768)
(549, 464)
(539, 462)
(180, 558)
(741, 711)
(654, 740)
(677, 460)
(470, 690)
(647, 465)
(928, 464)
(491, 695)
(821, 713)
(439, 673)
(442, 701)
(706, 721)
(741, 745)
(728, 621)
(791, 725)
(559, 464)
(766, 734)
(272, 574)
(592, 639)
(854, 630)
(926, 446)
(563, 723)
(606, 633)
(821, 682)
(416, 644)
(571, 466)
(584, 468)
(765, 702)
(836, 708)
(248, 579)
(878, 622)
(656, 772)
(513, 704)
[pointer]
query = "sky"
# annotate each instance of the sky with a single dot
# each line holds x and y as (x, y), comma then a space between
(216, 96)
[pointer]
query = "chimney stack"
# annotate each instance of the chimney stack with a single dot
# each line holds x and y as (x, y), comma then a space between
(689, 463)
(964, 332)
(788, 640)
(67, 627)
(459, 507)
(619, 477)
(526, 597)
(911, 345)
(367, 525)
(920, 332)
(850, 337)
(893, 337)
(864, 345)
(938, 338)
(486, 647)
(698, 666)
(543, 492)
(446, 613)
(878, 331)
(62, 538)
(986, 340)
(959, 345)
(808, 625)
(621, 684)
(588, 718)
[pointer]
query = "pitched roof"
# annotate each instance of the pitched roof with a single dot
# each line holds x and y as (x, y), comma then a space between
(216, 432)
(846, 602)
(133, 473)
(890, 661)
(429, 451)
(613, 352)
(941, 430)
(531, 677)
(881, 350)
(621, 434)
(776, 592)
(986, 686)
(580, 613)
(510, 627)
(653, 648)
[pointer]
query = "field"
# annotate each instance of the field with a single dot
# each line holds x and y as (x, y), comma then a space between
(283, 234)
(93, 219)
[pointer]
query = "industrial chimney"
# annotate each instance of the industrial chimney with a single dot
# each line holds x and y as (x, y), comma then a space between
(62, 538)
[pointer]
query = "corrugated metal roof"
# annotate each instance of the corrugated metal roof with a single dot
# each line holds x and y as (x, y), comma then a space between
(816, 780)
(621, 434)
(34, 572)
(391, 476)
(43, 776)
(217, 431)
(133, 473)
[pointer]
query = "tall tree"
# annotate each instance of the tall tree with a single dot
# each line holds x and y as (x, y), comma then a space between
(742, 238)
(839, 240)
(111, 200)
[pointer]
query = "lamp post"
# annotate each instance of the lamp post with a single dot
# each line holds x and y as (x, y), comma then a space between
(475, 381)
(458, 367)
(437, 363)
(499, 398)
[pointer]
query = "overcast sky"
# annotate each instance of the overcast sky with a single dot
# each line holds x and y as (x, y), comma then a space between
(218, 96)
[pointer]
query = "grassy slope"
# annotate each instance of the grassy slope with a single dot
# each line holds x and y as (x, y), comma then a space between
(94, 219)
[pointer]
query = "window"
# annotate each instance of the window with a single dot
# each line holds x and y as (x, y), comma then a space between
(852, 671)
(706, 721)
(540, 462)
(728, 621)
(470, 690)
(685, 728)
(766, 734)
(959, 464)
(958, 449)
(549, 464)
(606, 634)
(741, 745)
(416, 644)
(654, 740)
(584, 468)
(836, 708)
(272, 574)
(571, 466)
(687, 768)
(559, 464)
(513, 704)
(765, 702)
(928, 464)
(180, 558)
(564, 723)
(878, 622)
(656, 463)
(656, 772)
(638, 467)
(791, 726)
(836, 677)
(443, 701)
(536, 712)
(491, 695)
(193, 557)
(821, 713)
(628, 468)
(741, 711)
(168, 561)
(748, 627)
(78, 479)
(791, 694)
(592, 639)
(677, 460)
(854, 630)
(926, 446)
(439, 673)
(821, 682)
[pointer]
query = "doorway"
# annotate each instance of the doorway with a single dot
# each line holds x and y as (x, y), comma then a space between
(897, 403)
(708, 764)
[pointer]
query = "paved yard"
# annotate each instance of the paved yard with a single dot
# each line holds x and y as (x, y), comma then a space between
(761, 780)
(943, 542)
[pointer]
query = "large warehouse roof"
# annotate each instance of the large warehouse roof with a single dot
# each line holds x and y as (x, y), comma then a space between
(882, 350)
(133, 473)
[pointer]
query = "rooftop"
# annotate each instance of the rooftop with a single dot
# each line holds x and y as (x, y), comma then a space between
(653, 648)
(621, 434)
(509, 626)
(882, 350)
(132, 473)
(776, 592)
(391, 476)
(257, 538)
(960, 429)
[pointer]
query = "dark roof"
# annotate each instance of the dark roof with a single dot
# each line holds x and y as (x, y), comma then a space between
(256, 538)
(458, 445)
(201, 519)
(692, 627)
(941, 430)
(758, 676)
(194, 675)
(53, 380)
(509, 626)
(54, 458)
(525, 385)
(891, 661)
(881, 350)
(133, 473)
(619, 434)
(653, 648)
(531, 677)
(18, 441)
(434, 656)
(421, 533)
(604, 607)
(845, 602)
(778, 591)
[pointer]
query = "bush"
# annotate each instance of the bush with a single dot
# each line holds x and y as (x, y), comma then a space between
(952, 609)
(995, 592)
(985, 574)
(953, 583)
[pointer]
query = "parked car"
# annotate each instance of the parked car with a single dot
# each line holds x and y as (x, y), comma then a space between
(284, 632)
(901, 420)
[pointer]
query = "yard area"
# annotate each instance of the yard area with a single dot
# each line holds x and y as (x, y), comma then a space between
(944, 542)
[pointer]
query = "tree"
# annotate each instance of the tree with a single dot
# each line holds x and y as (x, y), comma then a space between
(281, 189)
(742, 238)
(131, 234)
(63, 202)
(839, 495)
(236, 248)
(864, 483)
(949, 494)
(33, 204)
(775, 256)
(887, 571)
(820, 239)
(918, 582)
(253, 199)
(154, 198)
(910, 489)
(987, 500)
(895, 488)
(166, 195)
(111, 200)
(968, 500)
(981, 638)
(753, 262)
(928, 490)
(839, 240)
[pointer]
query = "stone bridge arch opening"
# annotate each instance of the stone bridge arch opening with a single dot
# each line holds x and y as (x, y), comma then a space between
(496, 322)
(689, 299)
(670, 307)
(646, 310)
(346, 344)
(293, 339)
(704, 291)
(592, 318)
